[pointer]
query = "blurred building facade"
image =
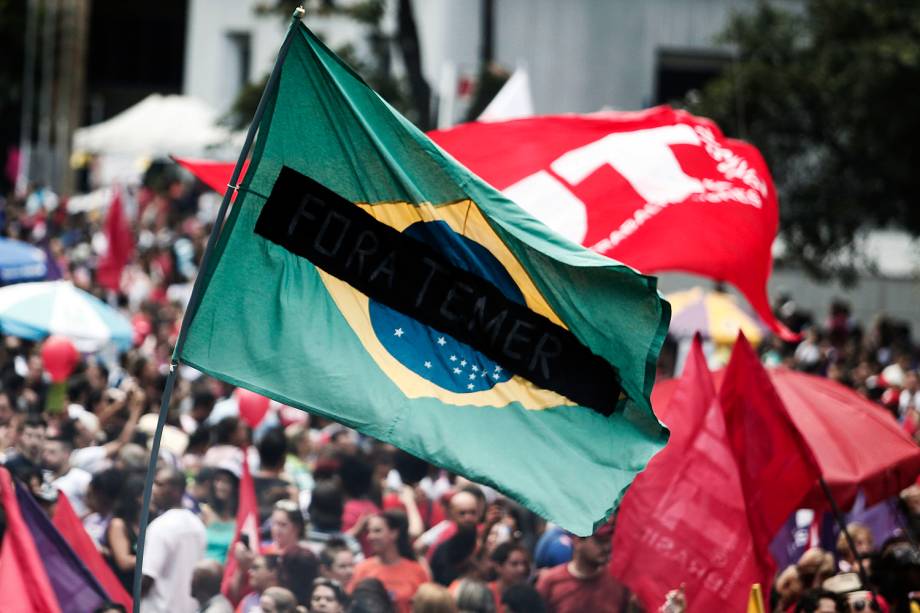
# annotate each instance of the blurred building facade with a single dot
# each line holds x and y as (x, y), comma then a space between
(582, 55)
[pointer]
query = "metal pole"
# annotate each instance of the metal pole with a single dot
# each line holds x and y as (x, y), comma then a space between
(196, 298)
(843, 528)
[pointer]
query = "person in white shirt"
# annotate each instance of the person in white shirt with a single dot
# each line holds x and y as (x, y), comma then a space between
(175, 544)
(72, 481)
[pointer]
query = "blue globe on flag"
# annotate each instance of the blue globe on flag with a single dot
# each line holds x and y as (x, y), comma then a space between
(431, 354)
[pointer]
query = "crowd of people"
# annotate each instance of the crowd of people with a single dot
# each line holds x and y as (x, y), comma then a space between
(345, 522)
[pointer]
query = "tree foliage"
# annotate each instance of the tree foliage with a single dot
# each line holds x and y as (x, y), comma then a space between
(829, 91)
(410, 96)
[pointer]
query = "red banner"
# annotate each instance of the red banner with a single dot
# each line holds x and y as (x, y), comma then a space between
(659, 190)
(661, 539)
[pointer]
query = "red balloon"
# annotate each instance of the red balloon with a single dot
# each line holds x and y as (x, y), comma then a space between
(59, 357)
(253, 407)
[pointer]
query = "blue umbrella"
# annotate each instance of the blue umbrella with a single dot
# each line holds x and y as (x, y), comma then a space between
(36, 310)
(21, 262)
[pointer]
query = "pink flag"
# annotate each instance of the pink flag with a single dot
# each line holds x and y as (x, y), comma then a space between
(121, 245)
(247, 527)
(684, 519)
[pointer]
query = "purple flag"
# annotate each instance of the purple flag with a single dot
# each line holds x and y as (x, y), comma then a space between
(76, 589)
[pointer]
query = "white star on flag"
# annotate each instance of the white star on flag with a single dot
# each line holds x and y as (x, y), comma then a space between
(441, 341)
(472, 376)
(463, 363)
(427, 364)
(498, 368)
(453, 358)
(475, 368)
(456, 371)
(398, 332)
(470, 386)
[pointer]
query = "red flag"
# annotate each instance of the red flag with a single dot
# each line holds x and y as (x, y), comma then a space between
(215, 175)
(777, 467)
(247, 524)
(657, 189)
(71, 528)
(121, 245)
(684, 519)
(24, 584)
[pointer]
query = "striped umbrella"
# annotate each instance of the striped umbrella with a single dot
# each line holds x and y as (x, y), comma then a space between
(716, 315)
(36, 310)
(21, 261)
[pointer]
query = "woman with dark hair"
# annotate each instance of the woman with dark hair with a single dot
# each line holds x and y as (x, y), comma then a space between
(511, 563)
(393, 562)
(298, 565)
(121, 534)
(327, 596)
(219, 513)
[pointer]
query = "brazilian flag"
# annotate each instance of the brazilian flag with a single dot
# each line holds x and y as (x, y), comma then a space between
(366, 276)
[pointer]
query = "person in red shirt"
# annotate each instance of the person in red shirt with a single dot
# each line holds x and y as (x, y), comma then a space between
(393, 562)
(585, 583)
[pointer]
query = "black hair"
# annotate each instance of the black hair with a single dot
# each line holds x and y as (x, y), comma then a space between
(107, 485)
(297, 571)
(522, 598)
(357, 476)
(410, 468)
(396, 519)
(272, 447)
(224, 430)
(333, 547)
(504, 550)
(32, 421)
(370, 596)
(333, 585)
(203, 397)
(326, 507)
(200, 438)
(128, 504)
(224, 507)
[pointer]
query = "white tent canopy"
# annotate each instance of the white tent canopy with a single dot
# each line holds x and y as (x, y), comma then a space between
(156, 126)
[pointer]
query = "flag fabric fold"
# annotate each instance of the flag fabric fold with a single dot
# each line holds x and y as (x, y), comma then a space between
(24, 583)
(660, 541)
(71, 528)
(75, 587)
(364, 275)
(777, 467)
